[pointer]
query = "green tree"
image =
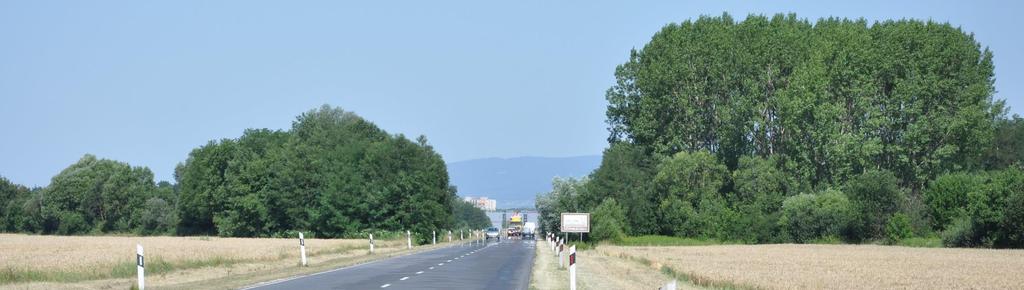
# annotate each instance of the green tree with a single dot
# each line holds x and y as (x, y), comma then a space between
(898, 228)
(12, 199)
(1008, 146)
(468, 216)
(677, 218)
(876, 196)
(625, 174)
(96, 195)
(563, 197)
(829, 100)
(333, 174)
(691, 176)
(947, 196)
(609, 220)
(806, 217)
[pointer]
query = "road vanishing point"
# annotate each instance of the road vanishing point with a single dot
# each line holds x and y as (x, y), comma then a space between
(504, 264)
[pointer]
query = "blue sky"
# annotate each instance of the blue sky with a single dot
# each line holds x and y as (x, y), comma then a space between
(147, 82)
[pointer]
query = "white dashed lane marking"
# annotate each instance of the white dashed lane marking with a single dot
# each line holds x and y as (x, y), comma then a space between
(403, 278)
(420, 272)
(385, 285)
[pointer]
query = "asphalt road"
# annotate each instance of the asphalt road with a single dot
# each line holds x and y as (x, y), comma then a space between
(492, 265)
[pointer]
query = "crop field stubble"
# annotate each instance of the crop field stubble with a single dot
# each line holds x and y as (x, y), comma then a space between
(80, 261)
(789, 266)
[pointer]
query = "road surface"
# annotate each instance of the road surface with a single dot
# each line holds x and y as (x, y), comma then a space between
(491, 265)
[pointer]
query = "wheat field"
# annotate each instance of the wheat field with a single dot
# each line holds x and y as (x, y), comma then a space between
(835, 266)
(80, 259)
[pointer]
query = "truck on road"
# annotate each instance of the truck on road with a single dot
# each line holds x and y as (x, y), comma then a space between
(529, 230)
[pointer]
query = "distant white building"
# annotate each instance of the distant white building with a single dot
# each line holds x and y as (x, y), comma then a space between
(483, 203)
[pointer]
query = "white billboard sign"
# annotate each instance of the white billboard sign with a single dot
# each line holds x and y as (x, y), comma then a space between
(575, 222)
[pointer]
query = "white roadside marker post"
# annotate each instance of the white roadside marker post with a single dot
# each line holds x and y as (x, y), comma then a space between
(434, 234)
(572, 267)
(371, 243)
(449, 236)
(140, 262)
(670, 286)
(460, 235)
(408, 239)
(561, 249)
(302, 248)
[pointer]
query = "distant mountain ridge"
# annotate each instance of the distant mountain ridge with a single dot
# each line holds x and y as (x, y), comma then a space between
(515, 182)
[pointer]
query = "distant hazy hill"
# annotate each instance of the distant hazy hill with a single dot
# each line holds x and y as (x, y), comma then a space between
(515, 182)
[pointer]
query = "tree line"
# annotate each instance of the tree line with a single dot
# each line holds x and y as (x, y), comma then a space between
(333, 174)
(782, 130)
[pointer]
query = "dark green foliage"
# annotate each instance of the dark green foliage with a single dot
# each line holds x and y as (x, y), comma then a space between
(759, 182)
(624, 174)
(807, 217)
(961, 233)
(876, 196)
(92, 195)
(12, 201)
(157, 217)
(333, 174)
(564, 197)
(693, 177)
(992, 214)
(468, 216)
(995, 211)
(607, 221)
(828, 99)
(898, 228)
(677, 217)
(947, 195)
(1008, 146)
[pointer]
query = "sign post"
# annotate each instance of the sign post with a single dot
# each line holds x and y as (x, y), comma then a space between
(575, 222)
(408, 239)
(371, 243)
(302, 248)
(572, 267)
(140, 262)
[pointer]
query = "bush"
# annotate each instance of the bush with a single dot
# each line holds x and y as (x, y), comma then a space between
(157, 217)
(876, 196)
(947, 195)
(961, 233)
(71, 223)
(691, 176)
(898, 228)
(807, 217)
(677, 217)
(608, 221)
(994, 214)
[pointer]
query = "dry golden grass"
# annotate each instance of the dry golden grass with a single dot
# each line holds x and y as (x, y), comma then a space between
(836, 266)
(103, 262)
(596, 270)
(84, 253)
